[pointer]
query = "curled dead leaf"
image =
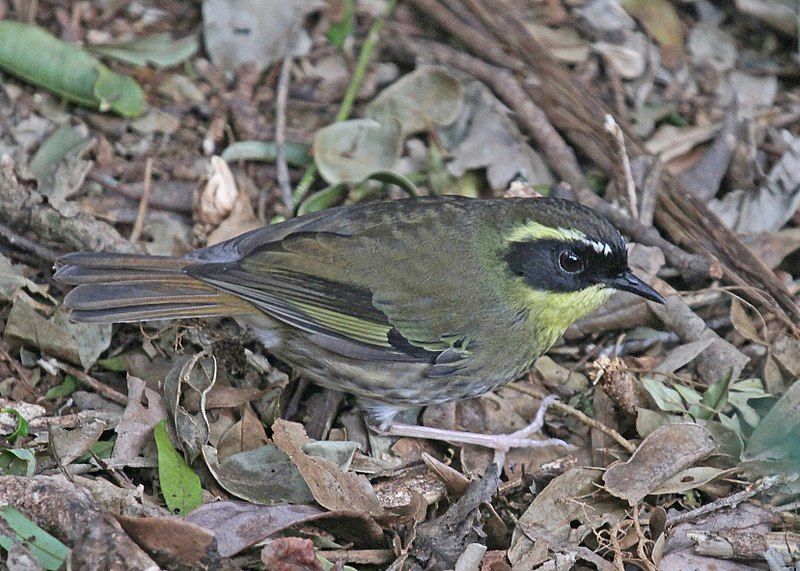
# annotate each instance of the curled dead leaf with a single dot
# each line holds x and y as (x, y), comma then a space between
(665, 452)
(332, 487)
(219, 194)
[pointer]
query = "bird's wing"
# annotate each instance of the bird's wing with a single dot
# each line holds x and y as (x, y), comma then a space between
(370, 295)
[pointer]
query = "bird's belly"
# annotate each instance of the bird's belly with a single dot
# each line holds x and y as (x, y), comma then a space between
(399, 384)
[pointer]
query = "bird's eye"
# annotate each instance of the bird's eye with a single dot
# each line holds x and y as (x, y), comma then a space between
(570, 262)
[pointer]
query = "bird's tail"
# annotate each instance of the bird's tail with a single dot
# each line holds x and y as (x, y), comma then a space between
(125, 288)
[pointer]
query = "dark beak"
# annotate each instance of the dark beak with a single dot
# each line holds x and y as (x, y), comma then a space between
(626, 281)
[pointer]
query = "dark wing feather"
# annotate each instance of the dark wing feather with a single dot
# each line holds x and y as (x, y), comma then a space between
(333, 312)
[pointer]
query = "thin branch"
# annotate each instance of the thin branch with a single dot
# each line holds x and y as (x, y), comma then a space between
(630, 187)
(483, 45)
(22, 243)
(21, 209)
(726, 502)
(136, 233)
(111, 394)
(280, 134)
(587, 420)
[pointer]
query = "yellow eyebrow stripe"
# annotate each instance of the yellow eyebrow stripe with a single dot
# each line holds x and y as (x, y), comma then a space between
(532, 230)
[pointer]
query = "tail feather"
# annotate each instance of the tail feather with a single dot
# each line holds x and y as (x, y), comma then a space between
(127, 288)
(90, 267)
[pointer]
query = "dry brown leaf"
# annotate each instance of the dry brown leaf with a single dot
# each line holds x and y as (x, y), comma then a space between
(787, 352)
(232, 397)
(332, 488)
(219, 194)
(265, 475)
(742, 322)
(290, 554)
(240, 220)
(172, 540)
(247, 434)
(135, 429)
(239, 525)
(665, 452)
(67, 445)
(564, 512)
(399, 491)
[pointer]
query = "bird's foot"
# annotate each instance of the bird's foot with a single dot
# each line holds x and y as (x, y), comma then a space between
(500, 443)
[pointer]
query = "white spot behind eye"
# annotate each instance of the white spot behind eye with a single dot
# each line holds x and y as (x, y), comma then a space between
(599, 247)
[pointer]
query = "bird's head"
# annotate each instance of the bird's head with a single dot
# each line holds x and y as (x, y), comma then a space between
(566, 260)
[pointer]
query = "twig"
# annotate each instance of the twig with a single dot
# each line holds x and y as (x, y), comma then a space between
(362, 556)
(359, 73)
(111, 394)
(790, 507)
(75, 420)
(482, 44)
(565, 408)
(280, 133)
(20, 207)
(642, 543)
(142, 212)
(720, 357)
(726, 502)
(22, 243)
(630, 187)
(171, 201)
(618, 91)
(650, 187)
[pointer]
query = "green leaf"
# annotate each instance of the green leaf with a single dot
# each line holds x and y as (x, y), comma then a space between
(118, 364)
(343, 29)
(325, 198)
(50, 552)
(391, 177)
(17, 462)
(159, 49)
(102, 449)
(667, 399)
(691, 396)
(65, 389)
(118, 93)
(714, 399)
(350, 151)
(336, 193)
(297, 154)
(38, 57)
(732, 423)
(741, 393)
(424, 98)
(54, 150)
(179, 484)
(775, 441)
(329, 566)
(676, 119)
(21, 429)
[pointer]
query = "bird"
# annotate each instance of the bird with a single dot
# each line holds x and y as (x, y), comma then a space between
(402, 303)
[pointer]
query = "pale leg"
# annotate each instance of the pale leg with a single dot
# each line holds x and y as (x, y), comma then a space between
(501, 443)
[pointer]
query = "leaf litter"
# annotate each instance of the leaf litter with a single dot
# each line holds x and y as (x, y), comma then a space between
(702, 393)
